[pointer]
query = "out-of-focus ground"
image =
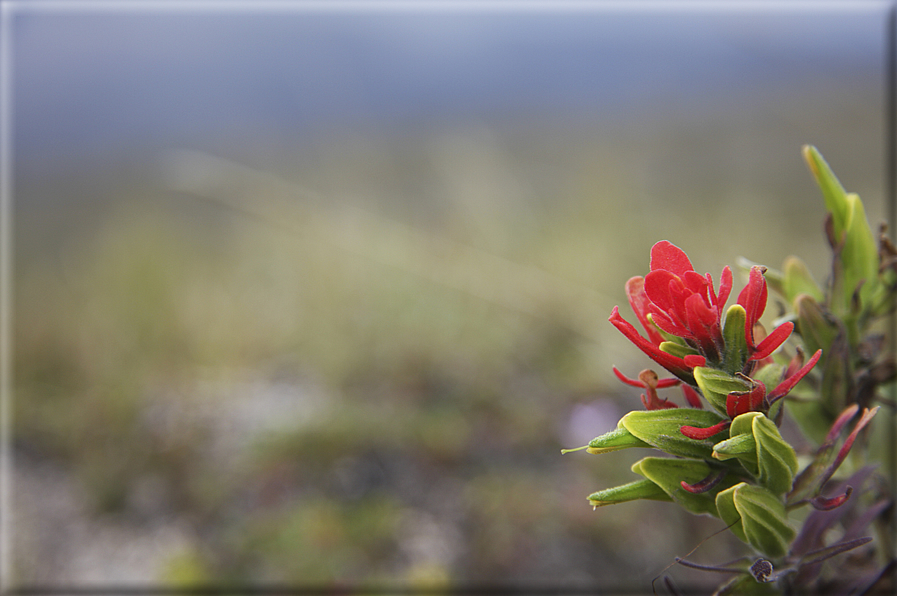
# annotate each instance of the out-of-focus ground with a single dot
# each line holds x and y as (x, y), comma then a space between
(357, 361)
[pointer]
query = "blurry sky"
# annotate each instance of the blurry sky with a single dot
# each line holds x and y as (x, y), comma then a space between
(99, 79)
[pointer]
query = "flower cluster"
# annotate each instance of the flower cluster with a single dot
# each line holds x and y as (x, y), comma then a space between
(682, 315)
(730, 460)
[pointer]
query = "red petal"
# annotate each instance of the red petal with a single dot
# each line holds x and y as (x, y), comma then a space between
(788, 384)
(843, 418)
(697, 283)
(753, 299)
(772, 341)
(692, 397)
(672, 363)
(657, 287)
(640, 303)
(693, 360)
(700, 434)
(668, 256)
(725, 286)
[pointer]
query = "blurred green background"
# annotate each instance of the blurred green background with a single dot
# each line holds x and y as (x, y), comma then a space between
(316, 297)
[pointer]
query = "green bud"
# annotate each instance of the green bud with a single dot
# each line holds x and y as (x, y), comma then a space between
(736, 344)
(716, 385)
(640, 489)
(677, 349)
(757, 517)
(660, 429)
(743, 447)
(619, 438)
(756, 442)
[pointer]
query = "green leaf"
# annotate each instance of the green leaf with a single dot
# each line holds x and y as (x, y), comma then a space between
(716, 385)
(640, 489)
(617, 439)
(816, 326)
(860, 254)
(757, 517)
(798, 280)
(668, 474)
(776, 458)
(736, 344)
(833, 193)
(660, 429)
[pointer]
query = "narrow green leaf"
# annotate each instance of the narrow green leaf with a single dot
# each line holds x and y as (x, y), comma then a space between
(640, 489)
(860, 254)
(617, 439)
(833, 193)
(744, 447)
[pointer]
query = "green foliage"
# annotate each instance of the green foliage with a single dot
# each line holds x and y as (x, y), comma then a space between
(757, 517)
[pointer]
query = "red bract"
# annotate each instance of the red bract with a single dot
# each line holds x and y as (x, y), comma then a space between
(683, 302)
(674, 364)
(753, 299)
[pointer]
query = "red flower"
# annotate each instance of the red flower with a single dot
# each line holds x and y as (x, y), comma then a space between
(676, 300)
(684, 303)
(673, 302)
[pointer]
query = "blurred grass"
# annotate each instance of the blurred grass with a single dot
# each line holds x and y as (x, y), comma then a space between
(370, 383)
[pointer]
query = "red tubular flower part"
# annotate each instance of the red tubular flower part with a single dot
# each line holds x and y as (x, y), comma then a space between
(772, 341)
(725, 286)
(704, 485)
(741, 402)
(753, 299)
(788, 384)
(827, 504)
(692, 397)
(700, 434)
(843, 418)
(867, 416)
(693, 360)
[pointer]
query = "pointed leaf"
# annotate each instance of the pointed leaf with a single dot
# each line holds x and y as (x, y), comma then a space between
(661, 430)
(640, 489)
(617, 439)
